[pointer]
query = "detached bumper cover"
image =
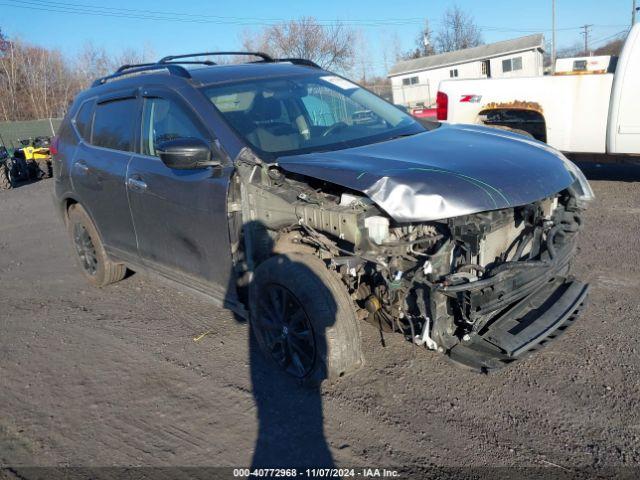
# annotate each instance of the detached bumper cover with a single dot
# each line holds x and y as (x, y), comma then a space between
(523, 328)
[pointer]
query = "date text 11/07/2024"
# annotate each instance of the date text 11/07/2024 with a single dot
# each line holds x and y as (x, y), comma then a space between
(315, 473)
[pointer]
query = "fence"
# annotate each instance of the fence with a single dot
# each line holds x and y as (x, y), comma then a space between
(414, 95)
(11, 132)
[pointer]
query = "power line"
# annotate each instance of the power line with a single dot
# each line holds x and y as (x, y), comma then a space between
(169, 16)
(601, 40)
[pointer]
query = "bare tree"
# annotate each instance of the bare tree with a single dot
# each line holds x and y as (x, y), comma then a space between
(363, 67)
(331, 47)
(36, 82)
(424, 45)
(4, 42)
(458, 31)
(92, 62)
(132, 56)
(614, 47)
(577, 50)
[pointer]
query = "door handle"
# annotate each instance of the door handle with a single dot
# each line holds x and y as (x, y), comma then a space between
(136, 184)
(81, 167)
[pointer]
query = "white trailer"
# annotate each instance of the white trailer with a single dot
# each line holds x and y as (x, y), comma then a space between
(584, 65)
(592, 114)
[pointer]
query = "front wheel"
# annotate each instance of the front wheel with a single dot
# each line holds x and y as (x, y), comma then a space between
(303, 319)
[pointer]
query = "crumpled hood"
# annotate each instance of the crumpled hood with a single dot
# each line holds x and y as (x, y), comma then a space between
(447, 172)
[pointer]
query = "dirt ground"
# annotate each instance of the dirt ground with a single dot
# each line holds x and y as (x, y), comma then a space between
(113, 377)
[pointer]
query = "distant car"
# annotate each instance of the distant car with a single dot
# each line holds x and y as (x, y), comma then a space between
(426, 113)
(309, 204)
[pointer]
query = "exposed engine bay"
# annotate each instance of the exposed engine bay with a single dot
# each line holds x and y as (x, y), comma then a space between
(485, 288)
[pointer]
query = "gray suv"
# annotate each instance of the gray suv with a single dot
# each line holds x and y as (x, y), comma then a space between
(310, 205)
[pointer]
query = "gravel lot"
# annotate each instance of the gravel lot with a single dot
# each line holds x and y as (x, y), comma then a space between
(114, 376)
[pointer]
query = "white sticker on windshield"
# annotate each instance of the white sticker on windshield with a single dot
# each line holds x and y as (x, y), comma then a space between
(339, 82)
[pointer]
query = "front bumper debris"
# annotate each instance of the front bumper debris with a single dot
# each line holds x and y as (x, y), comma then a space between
(524, 327)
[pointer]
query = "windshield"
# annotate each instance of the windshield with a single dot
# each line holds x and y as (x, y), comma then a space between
(306, 114)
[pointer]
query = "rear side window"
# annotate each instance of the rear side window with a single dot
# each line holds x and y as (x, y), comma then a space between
(83, 120)
(65, 132)
(113, 124)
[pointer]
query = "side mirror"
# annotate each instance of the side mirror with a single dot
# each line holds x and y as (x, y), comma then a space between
(402, 107)
(186, 154)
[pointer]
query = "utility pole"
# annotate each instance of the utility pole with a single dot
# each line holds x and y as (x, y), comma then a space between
(586, 39)
(553, 36)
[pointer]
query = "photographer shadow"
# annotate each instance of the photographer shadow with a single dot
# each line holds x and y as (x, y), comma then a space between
(290, 416)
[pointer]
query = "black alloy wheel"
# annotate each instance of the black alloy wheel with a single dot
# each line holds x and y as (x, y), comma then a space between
(287, 331)
(85, 248)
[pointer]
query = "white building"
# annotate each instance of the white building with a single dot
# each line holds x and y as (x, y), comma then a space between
(415, 82)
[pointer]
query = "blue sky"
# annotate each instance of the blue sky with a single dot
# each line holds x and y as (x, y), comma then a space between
(207, 25)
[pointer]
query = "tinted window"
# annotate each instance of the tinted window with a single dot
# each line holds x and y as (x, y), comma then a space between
(83, 120)
(113, 124)
(164, 120)
(65, 132)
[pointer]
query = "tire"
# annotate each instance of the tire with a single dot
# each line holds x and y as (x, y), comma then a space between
(33, 170)
(316, 303)
(5, 178)
(90, 253)
(44, 169)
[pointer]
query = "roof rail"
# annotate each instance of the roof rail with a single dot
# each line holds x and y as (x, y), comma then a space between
(133, 65)
(261, 55)
(173, 69)
(173, 63)
(299, 61)
(265, 58)
(190, 62)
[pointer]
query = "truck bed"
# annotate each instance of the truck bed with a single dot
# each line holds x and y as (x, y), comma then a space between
(575, 108)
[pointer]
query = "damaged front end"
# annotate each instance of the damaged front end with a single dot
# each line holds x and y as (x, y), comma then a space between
(485, 288)
(509, 291)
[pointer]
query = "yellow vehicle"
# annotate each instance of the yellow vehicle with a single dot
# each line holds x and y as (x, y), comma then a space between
(36, 153)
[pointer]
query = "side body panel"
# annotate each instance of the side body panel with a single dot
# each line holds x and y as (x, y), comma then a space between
(180, 220)
(98, 176)
(180, 216)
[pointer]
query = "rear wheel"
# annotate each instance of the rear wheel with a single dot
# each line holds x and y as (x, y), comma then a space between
(303, 319)
(92, 258)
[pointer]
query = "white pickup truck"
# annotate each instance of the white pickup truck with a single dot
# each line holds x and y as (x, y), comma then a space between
(594, 114)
